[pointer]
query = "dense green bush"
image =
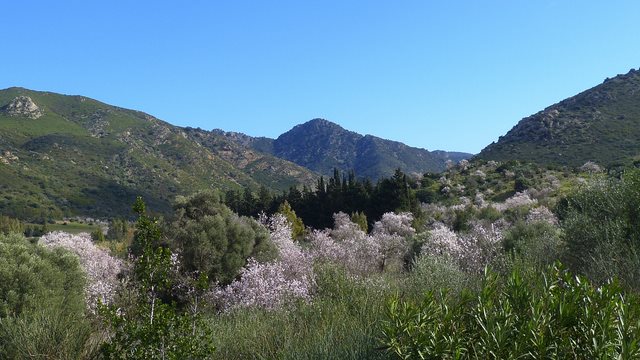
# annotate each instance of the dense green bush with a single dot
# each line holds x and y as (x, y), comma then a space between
(601, 222)
(42, 307)
(533, 245)
(97, 235)
(33, 277)
(434, 273)
(118, 229)
(214, 240)
(552, 315)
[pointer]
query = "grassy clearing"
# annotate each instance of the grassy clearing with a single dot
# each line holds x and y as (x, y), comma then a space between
(70, 227)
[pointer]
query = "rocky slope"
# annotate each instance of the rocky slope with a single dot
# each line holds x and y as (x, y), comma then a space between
(321, 146)
(601, 124)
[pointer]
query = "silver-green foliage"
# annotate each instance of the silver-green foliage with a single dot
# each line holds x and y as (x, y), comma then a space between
(33, 277)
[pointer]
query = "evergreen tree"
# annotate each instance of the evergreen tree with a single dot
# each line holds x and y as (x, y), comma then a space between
(297, 226)
(360, 219)
(10, 225)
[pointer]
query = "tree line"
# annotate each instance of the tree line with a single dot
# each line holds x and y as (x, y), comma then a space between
(339, 193)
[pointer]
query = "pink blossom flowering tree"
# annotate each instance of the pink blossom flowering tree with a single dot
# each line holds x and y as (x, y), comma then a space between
(472, 250)
(541, 214)
(442, 241)
(480, 247)
(347, 245)
(390, 235)
(519, 199)
(361, 254)
(100, 267)
(273, 284)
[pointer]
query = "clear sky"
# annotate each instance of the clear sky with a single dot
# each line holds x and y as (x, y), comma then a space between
(451, 75)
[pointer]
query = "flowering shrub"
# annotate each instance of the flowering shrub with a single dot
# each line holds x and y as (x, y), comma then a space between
(272, 284)
(394, 224)
(346, 245)
(520, 199)
(472, 250)
(479, 247)
(390, 236)
(591, 167)
(101, 268)
(344, 229)
(541, 214)
(442, 241)
(479, 200)
(463, 164)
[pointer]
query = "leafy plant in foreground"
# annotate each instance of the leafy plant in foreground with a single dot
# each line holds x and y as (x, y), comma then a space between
(153, 328)
(41, 302)
(553, 315)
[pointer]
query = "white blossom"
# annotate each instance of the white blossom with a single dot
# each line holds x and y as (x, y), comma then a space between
(390, 234)
(517, 200)
(541, 214)
(472, 251)
(591, 167)
(347, 246)
(273, 284)
(442, 241)
(100, 267)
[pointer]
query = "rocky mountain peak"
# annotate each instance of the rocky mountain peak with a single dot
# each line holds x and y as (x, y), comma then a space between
(22, 106)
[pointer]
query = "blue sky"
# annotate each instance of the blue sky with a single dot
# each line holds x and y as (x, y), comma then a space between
(450, 75)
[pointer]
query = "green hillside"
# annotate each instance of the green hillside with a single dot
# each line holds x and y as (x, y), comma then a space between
(601, 124)
(70, 155)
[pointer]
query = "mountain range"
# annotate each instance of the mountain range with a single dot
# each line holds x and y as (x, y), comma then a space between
(66, 155)
(601, 124)
(322, 146)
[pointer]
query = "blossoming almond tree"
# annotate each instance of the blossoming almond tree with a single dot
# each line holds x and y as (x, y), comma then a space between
(100, 267)
(390, 235)
(472, 250)
(271, 285)
(347, 245)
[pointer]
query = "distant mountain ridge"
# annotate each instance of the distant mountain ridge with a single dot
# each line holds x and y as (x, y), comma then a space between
(66, 155)
(321, 145)
(601, 124)
(63, 155)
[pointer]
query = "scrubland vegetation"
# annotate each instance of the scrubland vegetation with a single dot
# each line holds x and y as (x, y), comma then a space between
(486, 260)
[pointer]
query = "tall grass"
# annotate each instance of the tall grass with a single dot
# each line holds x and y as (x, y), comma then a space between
(342, 322)
(48, 333)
